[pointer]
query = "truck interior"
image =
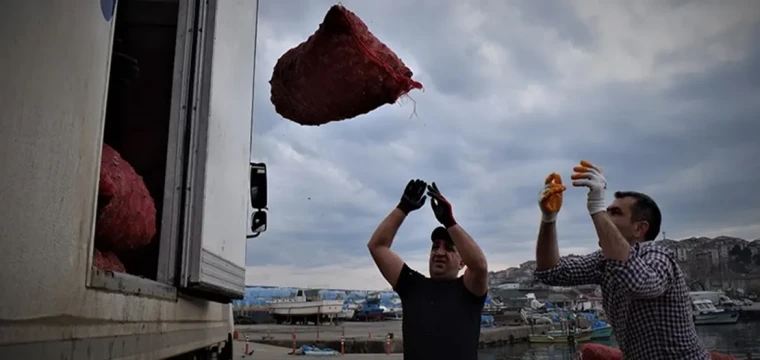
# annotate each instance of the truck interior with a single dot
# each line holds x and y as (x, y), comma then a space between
(139, 116)
(139, 107)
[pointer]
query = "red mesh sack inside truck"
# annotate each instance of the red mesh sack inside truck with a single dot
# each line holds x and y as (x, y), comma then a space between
(127, 214)
(108, 261)
(338, 73)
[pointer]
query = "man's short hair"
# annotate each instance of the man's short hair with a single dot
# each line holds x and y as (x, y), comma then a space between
(645, 209)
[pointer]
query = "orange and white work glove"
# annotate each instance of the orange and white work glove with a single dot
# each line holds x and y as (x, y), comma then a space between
(591, 177)
(550, 198)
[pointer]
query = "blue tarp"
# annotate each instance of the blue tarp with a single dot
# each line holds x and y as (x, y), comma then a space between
(310, 350)
(588, 316)
(598, 324)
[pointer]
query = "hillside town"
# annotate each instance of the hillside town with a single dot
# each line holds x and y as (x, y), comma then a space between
(722, 263)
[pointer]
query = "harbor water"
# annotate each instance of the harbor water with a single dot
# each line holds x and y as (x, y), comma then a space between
(738, 339)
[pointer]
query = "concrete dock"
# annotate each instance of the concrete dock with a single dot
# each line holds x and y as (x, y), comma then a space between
(269, 352)
(365, 337)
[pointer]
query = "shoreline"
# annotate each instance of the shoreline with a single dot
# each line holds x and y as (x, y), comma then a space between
(366, 337)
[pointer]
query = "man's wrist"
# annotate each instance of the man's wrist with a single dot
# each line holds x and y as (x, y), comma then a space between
(548, 218)
(596, 203)
(449, 224)
(404, 208)
(596, 206)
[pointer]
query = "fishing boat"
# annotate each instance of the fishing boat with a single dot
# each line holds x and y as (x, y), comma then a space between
(560, 336)
(346, 314)
(394, 311)
(576, 331)
(370, 310)
(705, 313)
(510, 317)
(349, 309)
(601, 332)
(306, 306)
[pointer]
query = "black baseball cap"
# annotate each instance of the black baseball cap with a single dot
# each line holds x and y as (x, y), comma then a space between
(440, 233)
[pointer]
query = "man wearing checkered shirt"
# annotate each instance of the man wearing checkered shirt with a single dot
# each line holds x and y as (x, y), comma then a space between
(645, 294)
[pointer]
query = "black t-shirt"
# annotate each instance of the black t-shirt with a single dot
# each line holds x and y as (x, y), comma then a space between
(441, 318)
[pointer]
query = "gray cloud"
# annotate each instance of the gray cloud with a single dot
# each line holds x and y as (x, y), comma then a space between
(514, 90)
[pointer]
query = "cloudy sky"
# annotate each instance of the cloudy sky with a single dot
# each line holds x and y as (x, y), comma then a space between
(663, 94)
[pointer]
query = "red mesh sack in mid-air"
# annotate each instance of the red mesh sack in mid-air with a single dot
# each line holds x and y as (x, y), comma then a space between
(108, 261)
(126, 214)
(338, 73)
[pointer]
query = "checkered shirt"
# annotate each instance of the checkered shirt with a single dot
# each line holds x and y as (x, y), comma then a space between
(646, 300)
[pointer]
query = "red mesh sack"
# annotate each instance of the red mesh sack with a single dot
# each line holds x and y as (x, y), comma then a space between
(603, 352)
(718, 356)
(127, 214)
(338, 73)
(108, 261)
(600, 352)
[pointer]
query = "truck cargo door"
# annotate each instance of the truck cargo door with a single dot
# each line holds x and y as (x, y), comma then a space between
(217, 187)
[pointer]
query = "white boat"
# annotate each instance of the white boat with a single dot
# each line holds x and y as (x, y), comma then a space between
(346, 314)
(706, 313)
(718, 298)
(306, 306)
(393, 312)
(349, 309)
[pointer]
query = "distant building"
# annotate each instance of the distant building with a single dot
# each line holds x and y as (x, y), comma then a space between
(508, 286)
(682, 254)
(703, 262)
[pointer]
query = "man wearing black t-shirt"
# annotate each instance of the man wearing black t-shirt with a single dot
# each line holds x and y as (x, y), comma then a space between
(442, 312)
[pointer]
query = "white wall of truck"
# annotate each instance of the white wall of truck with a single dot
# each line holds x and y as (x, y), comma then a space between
(54, 57)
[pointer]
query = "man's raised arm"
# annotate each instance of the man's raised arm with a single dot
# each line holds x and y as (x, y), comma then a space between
(550, 268)
(476, 275)
(562, 271)
(389, 263)
(379, 245)
(550, 202)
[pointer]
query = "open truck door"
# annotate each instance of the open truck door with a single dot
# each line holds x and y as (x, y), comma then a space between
(220, 182)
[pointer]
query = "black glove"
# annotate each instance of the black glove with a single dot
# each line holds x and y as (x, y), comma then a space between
(441, 206)
(413, 197)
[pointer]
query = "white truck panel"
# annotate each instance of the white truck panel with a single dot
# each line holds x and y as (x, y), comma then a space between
(55, 60)
(220, 262)
(229, 134)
